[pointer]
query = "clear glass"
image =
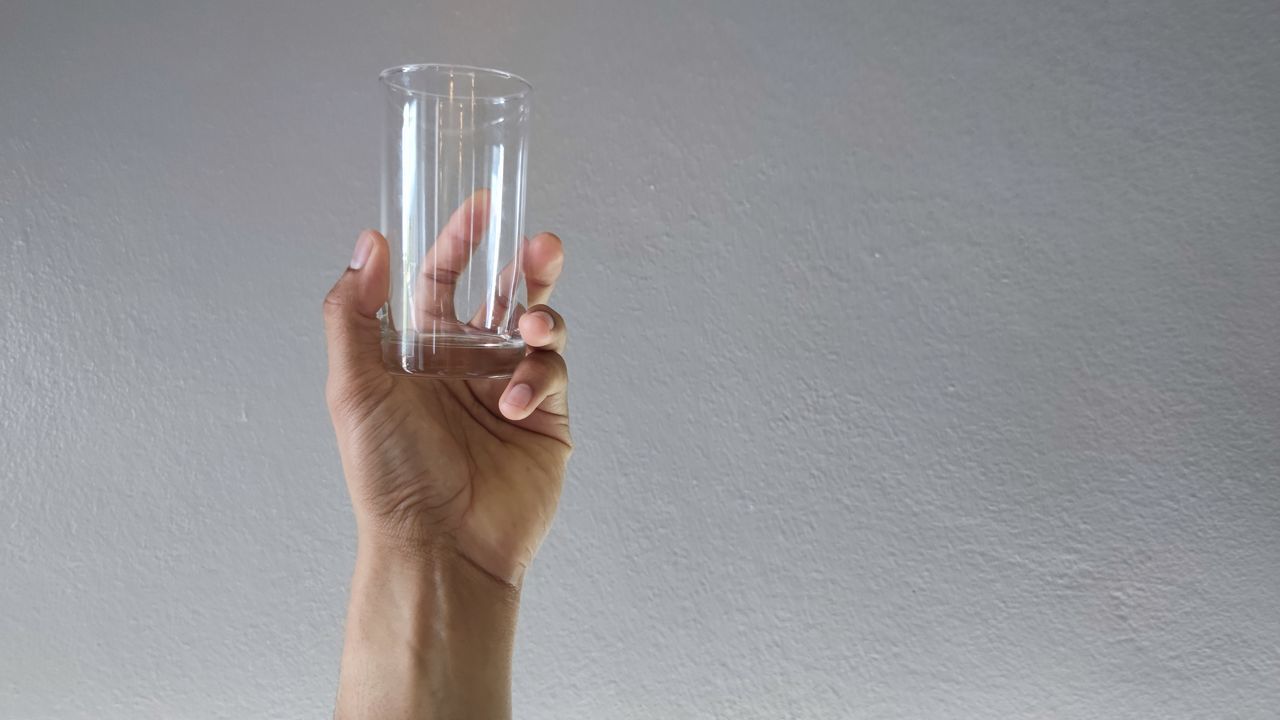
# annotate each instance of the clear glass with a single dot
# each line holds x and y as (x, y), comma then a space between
(453, 194)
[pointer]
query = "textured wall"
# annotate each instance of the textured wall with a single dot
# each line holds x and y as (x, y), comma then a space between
(926, 356)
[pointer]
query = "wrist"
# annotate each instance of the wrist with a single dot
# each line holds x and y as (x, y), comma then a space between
(504, 561)
(429, 634)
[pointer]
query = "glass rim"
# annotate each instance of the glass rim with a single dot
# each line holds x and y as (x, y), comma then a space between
(523, 89)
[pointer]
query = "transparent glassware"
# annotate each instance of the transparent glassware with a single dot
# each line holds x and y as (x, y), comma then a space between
(453, 196)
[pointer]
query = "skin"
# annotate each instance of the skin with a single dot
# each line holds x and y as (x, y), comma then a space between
(454, 484)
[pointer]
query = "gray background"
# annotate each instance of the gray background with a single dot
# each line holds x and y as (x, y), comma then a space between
(925, 353)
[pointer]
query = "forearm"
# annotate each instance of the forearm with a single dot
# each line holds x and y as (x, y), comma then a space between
(429, 635)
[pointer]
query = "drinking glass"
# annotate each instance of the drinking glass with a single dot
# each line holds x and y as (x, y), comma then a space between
(453, 194)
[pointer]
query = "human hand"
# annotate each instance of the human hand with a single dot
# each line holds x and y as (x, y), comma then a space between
(472, 467)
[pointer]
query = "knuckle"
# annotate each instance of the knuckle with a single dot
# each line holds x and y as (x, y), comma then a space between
(550, 311)
(334, 302)
(347, 391)
(552, 364)
(336, 396)
(444, 277)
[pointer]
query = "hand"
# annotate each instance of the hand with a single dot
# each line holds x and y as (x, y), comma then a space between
(471, 467)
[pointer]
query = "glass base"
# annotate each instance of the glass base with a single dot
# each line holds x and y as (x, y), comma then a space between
(451, 355)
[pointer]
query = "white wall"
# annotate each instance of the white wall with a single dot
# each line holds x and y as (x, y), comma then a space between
(925, 354)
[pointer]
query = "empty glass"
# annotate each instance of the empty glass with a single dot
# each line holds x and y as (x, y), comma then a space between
(453, 193)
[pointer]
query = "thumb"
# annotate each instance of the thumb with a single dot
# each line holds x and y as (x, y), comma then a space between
(351, 324)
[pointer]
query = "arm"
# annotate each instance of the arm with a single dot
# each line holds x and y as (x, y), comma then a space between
(454, 484)
(429, 635)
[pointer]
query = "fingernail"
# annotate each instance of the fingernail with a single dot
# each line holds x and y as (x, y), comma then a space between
(546, 317)
(518, 396)
(364, 246)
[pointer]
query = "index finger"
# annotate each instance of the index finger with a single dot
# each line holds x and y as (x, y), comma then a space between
(448, 257)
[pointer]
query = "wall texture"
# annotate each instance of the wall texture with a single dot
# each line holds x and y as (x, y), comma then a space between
(926, 354)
